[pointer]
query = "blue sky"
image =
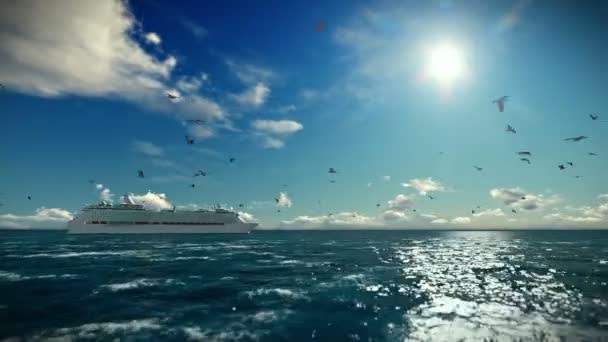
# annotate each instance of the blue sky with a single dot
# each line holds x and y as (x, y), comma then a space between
(85, 98)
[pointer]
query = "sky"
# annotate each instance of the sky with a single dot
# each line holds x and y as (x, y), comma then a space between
(396, 96)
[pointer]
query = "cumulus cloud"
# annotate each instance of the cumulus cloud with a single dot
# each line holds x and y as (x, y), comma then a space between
(152, 201)
(561, 217)
(147, 148)
(42, 218)
(439, 221)
(284, 200)
(585, 214)
(274, 132)
(520, 199)
(254, 96)
(99, 59)
(461, 220)
(394, 215)
(106, 195)
(424, 186)
(400, 203)
(349, 220)
(153, 38)
(490, 212)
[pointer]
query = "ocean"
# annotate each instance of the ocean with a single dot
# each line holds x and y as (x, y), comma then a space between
(306, 285)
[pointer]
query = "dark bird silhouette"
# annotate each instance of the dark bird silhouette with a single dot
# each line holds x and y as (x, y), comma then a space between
(332, 180)
(431, 197)
(579, 138)
(332, 170)
(478, 168)
(594, 117)
(570, 163)
(414, 210)
(192, 185)
(231, 160)
(276, 200)
(172, 96)
(513, 211)
(241, 205)
(91, 181)
(200, 173)
(378, 205)
(526, 160)
(524, 153)
(278, 210)
(320, 27)
(510, 129)
(500, 102)
(29, 198)
(473, 211)
(577, 177)
(561, 166)
(140, 173)
(189, 140)
(523, 197)
(592, 154)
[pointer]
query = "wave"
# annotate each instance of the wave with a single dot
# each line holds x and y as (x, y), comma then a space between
(95, 330)
(284, 293)
(10, 276)
(139, 283)
(79, 254)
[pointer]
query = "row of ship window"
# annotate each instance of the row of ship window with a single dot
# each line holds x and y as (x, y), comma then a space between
(173, 223)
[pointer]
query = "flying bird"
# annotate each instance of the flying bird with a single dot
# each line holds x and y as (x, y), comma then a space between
(570, 163)
(192, 185)
(320, 27)
(91, 181)
(431, 197)
(561, 166)
(513, 211)
(523, 197)
(172, 96)
(241, 205)
(332, 180)
(510, 129)
(189, 140)
(231, 160)
(579, 138)
(473, 211)
(593, 117)
(332, 170)
(478, 168)
(378, 205)
(592, 154)
(200, 173)
(140, 173)
(524, 153)
(276, 200)
(500, 102)
(577, 177)
(29, 198)
(525, 159)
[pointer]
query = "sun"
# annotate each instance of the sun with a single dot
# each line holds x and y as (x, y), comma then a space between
(446, 64)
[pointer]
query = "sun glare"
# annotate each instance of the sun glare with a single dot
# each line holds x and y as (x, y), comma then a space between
(446, 64)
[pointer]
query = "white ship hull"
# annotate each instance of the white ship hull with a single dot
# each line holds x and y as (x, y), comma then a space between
(75, 227)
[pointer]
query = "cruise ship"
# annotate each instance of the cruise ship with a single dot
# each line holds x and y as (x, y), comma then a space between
(131, 218)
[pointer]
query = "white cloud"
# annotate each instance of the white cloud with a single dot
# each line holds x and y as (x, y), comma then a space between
(400, 203)
(273, 132)
(439, 221)
(490, 212)
(201, 132)
(346, 220)
(42, 218)
(574, 219)
(520, 199)
(387, 178)
(602, 196)
(284, 200)
(254, 96)
(394, 215)
(250, 74)
(424, 185)
(277, 127)
(153, 38)
(99, 59)
(98, 186)
(106, 195)
(197, 30)
(189, 84)
(147, 148)
(152, 201)
(461, 220)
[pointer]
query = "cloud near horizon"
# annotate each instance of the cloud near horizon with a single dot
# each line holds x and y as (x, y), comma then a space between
(51, 218)
(424, 186)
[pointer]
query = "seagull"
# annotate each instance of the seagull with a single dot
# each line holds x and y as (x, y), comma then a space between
(29, 198)
(189, 140)
(276, 200)
(525, 159)
(593, 117)
(231, 160)
(332, 170)
(473, 211)
(478, 168)
(91, 181)
(523, 197)
(511, 129)
(193, 185)
(200, 173)
(241, 205)
(140, 173)
(414, 210)
(579, 138)
(332, 180)
(561, 166)
(378, 205)
(577, 177)
(320, 27)
(524, 153)
(592, 154)
(500, 102)
(172, 96)
(513, 211)
(431, 197)
(570, 163)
